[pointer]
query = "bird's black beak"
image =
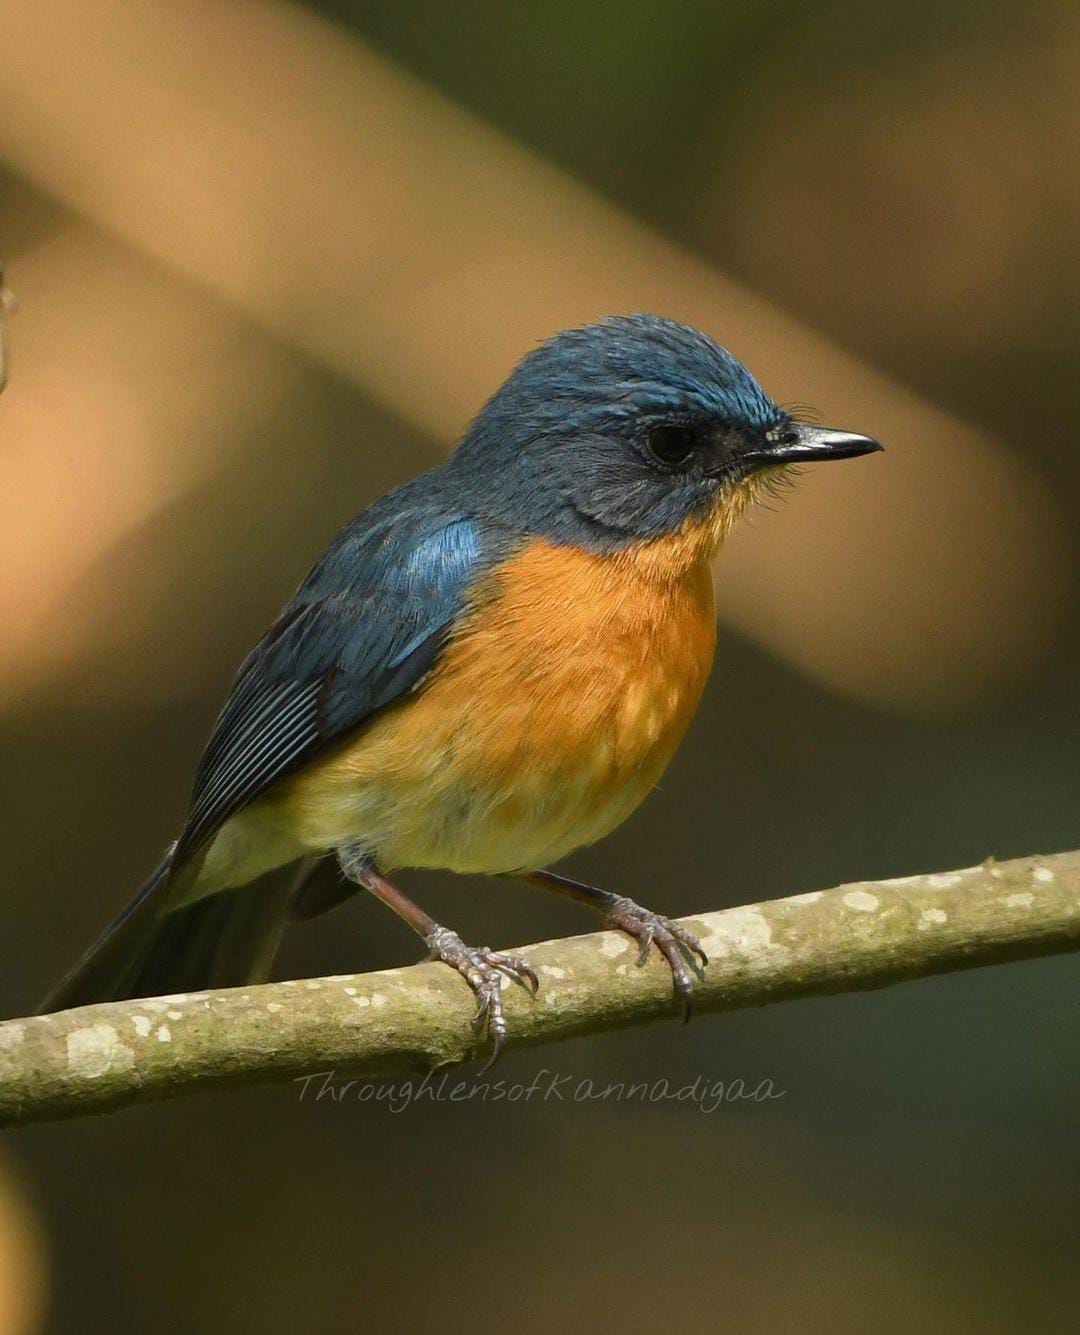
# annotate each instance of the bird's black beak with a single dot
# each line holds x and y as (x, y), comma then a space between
(808, 444)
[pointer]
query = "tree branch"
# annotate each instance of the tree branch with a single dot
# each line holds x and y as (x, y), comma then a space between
(411, 1020)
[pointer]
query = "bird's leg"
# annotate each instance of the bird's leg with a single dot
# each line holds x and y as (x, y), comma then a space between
(678, 946)
(481, 967)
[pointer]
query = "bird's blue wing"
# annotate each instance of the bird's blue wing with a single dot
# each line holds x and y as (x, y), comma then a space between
(364, 629)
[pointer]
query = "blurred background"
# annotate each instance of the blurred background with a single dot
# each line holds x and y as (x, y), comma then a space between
(270, 259)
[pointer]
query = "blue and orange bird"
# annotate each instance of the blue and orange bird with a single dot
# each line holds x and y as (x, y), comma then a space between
(490, 667)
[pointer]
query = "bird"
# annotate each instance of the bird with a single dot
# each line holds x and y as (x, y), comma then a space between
(490, 667)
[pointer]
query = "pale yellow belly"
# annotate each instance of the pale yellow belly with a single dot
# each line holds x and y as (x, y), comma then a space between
(458, 810)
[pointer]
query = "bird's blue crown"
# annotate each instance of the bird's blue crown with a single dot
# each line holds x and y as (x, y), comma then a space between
(633, 364)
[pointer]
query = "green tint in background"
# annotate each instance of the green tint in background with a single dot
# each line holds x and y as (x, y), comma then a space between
(901, 178)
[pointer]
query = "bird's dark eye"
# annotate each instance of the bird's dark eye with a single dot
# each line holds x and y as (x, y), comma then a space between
(671, 445)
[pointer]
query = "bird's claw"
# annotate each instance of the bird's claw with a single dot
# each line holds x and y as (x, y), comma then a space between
(483, 969)
(678, 946)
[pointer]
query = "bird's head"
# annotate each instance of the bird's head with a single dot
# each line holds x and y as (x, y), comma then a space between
(630, 430)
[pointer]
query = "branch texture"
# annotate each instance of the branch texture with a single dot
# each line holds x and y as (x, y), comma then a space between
(412, 1020)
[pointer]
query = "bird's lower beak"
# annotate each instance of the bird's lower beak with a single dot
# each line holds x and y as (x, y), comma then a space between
(808, 444)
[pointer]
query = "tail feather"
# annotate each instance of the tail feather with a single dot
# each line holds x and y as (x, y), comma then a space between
(104, 970)
(225, 940)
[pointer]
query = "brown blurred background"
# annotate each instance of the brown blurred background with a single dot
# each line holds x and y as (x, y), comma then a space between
(269, 260)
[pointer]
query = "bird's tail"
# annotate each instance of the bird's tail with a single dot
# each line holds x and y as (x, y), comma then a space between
(225, 940)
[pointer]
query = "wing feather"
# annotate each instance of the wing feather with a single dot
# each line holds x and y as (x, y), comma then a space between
(364, 628)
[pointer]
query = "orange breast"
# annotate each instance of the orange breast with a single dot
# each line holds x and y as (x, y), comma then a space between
(587, 660)
(554, 709)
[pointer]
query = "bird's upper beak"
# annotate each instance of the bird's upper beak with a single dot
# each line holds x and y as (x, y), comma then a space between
(808, 444)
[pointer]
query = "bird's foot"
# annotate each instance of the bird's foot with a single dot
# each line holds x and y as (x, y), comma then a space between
(483, 970)
(678, 946)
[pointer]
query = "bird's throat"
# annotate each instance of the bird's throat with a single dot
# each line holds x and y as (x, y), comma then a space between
(696, 541)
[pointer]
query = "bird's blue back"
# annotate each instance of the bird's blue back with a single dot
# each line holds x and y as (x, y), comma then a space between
(362, 630)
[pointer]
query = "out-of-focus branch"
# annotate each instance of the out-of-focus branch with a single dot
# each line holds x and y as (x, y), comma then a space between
(362, 218)
(411, 1020)
(7, 305)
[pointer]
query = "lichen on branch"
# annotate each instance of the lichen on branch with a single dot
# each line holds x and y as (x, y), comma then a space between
(415, 1019)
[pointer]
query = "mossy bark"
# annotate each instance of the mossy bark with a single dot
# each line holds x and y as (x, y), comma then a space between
(416, 1019)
